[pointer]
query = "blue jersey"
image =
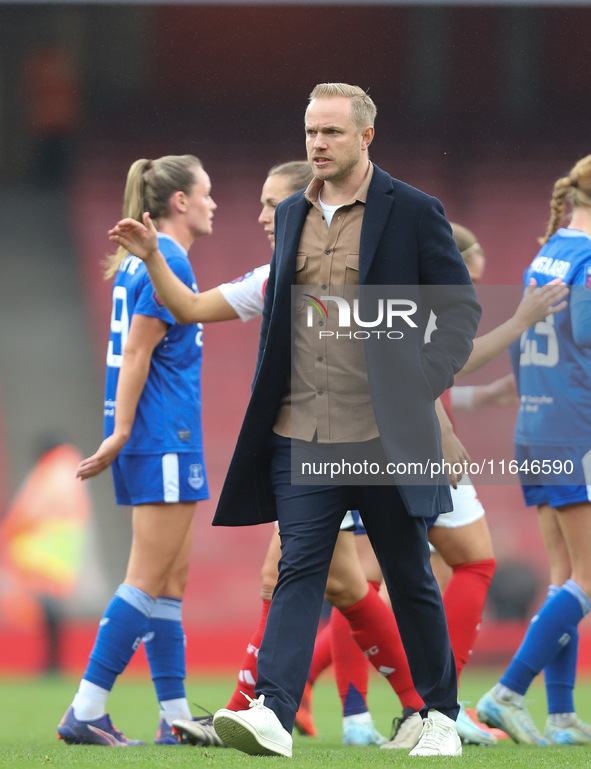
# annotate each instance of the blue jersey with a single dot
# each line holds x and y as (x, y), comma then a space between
(168, 417)
(552, 362)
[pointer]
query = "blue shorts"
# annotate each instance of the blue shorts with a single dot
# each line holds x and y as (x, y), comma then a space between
(142, 479)
(556, 488)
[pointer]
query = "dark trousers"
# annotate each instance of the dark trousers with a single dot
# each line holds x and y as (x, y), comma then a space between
(309, 520)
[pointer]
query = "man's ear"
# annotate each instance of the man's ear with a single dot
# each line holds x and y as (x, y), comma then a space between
(367, 137)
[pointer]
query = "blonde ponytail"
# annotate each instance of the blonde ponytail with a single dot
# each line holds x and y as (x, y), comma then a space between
(133, 208)
(150, 185)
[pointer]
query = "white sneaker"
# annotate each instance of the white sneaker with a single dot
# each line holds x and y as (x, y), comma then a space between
(439, 737)
(407, 731)
(256, 731)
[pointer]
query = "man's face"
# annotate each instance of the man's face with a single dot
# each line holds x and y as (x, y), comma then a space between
(333, 143)
(278, 187)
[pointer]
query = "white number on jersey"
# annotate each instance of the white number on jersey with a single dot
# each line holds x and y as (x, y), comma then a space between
(199, 335)
(530, 355)
(119, 326)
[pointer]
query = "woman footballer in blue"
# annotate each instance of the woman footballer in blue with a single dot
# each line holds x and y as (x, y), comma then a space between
(153, 441)
(553, 452)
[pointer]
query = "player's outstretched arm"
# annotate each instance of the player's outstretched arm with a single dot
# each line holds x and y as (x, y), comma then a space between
(144, 334)
(537, 303)
(141, 240)
(501, 392)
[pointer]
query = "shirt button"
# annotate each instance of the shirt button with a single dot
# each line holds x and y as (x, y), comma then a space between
(324, 287)
(320, 360)
(321, 323)
(319, 392)
(327, 251)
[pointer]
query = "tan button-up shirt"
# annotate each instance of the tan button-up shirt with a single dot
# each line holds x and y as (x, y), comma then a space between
(328, 394)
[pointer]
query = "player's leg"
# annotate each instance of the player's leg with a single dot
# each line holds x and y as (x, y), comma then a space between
(372, 624)
(554, 626)
(164, 643)
(159, 531)
(346, 585)
(563, 726)
(468, 551)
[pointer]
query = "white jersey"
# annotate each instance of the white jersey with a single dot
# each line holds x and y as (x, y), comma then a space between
(246, 294)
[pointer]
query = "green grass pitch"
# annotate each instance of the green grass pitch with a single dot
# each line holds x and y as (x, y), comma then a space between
(31, 708)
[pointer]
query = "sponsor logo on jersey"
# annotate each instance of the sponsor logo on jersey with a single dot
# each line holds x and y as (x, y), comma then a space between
(184, 435)
(158, 301)
(149, 637)
(242, 277)
(196, 476)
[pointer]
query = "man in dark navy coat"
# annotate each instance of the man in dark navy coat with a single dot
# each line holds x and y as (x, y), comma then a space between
(353, 227)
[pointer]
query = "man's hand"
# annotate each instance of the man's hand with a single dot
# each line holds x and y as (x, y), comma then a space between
(107, 453)
(139, 239)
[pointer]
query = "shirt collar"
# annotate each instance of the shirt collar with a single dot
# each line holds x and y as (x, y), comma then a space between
(360, 196)
(172, 240)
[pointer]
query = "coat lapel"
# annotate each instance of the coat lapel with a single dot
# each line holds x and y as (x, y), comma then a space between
(380, 200)
(289, 240)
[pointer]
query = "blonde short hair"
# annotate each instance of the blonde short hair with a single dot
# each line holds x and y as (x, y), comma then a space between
(363, 109)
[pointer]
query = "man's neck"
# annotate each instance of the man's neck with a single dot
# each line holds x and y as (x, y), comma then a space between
(337, 192)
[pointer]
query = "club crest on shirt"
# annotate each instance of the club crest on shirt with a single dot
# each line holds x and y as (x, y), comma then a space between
(196, 476)
(588, 276)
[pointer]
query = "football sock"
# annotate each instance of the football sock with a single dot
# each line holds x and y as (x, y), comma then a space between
(562, 720)
(247, 676)
(90, 701)
(322, 658)
(350, 666)
(170, 710)
(463, 601)
(359, 718)
(374, 628)
(165, 649)
(550, 630)
(121, 630)
(560, 674)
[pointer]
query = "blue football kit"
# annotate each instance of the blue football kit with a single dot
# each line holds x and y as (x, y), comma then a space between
(552, 364)
(163, 459)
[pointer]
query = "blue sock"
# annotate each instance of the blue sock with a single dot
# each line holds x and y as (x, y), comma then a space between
(165, 649)
(560, 673)
(354, 702)
(121, 629)
(550, 630)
